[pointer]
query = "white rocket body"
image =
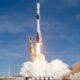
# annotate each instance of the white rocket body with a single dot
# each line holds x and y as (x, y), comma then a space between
(38, 23)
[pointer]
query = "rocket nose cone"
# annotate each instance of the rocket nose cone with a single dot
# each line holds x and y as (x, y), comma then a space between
(38, 5)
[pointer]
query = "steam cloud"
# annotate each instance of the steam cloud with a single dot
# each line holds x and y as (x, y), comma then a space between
(41, 68)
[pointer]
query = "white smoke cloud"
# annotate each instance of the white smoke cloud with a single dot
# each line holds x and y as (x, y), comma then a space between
(41, 68)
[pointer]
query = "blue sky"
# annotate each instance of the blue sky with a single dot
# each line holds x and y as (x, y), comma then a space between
(60, 27)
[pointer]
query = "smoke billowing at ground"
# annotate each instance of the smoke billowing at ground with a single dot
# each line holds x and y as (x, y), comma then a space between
(74, 73)
(76, 68)
(56, 69)
(41, 68)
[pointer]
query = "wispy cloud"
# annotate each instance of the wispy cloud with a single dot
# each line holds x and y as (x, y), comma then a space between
(42, 1)
(13, 50)
(53, 26)
(9, 24)
(4, 16)
(71, 2)
(11, 54)
(78, 16)
(64, 4)
(67, 2)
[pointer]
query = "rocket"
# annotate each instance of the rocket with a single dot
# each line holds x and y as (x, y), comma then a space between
(39, 39)
(38, 23)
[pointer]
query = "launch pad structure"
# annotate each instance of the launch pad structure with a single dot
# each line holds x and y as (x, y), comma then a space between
(44, 78)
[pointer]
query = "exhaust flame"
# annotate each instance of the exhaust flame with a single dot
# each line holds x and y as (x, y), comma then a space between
(38, 48)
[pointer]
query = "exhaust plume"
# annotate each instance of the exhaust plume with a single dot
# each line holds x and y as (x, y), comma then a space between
(41, 68)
